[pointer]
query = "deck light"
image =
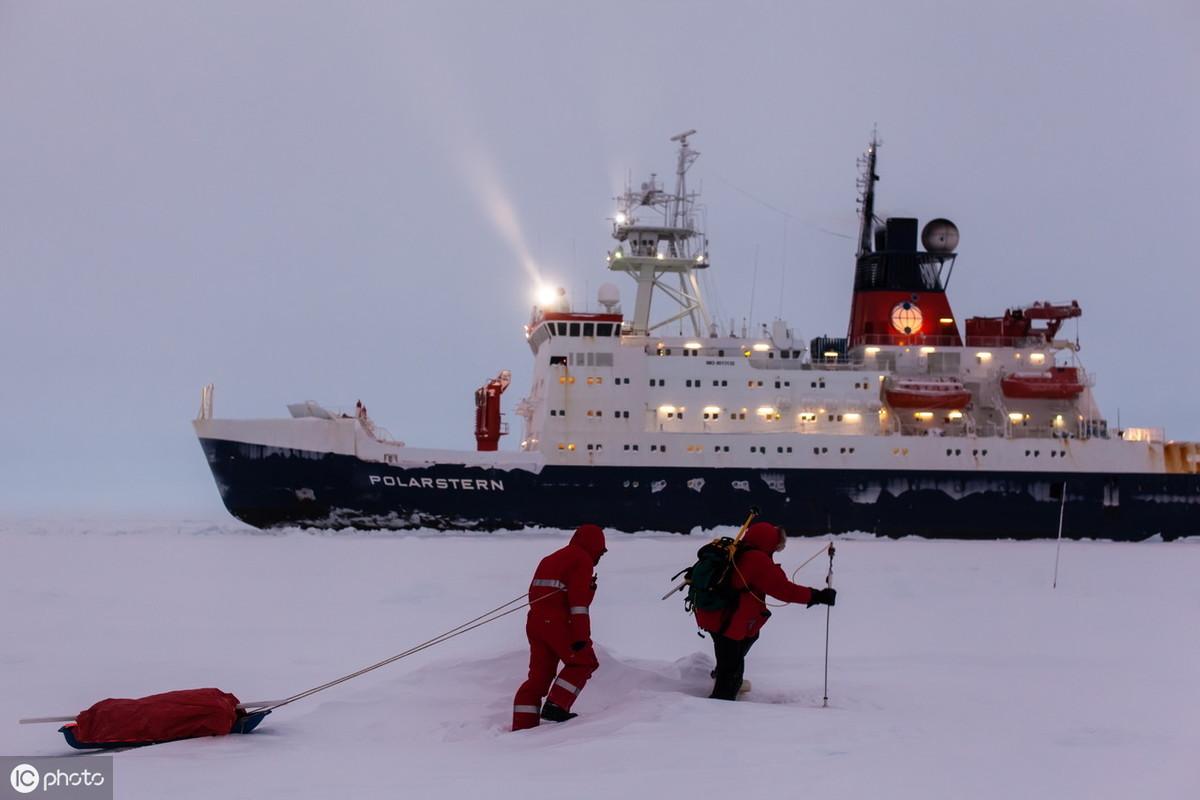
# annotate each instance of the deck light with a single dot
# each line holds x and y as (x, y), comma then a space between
(1015, 416)
(761, 347)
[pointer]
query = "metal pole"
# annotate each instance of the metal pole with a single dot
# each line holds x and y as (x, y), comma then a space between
(1062, 508)
(828, 585)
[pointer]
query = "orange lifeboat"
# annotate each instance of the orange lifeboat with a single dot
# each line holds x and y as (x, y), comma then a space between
(927, 393)
(1056, 383)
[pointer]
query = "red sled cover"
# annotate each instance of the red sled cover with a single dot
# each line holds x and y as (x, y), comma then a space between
(159, 717)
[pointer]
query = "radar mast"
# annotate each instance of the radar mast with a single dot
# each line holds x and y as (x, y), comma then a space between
(866, 198)
(664, 252)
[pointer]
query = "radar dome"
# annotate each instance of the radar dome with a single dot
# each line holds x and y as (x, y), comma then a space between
(608, 296)
(940, 236)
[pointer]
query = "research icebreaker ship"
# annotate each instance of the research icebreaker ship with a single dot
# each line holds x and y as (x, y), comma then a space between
(913, 423)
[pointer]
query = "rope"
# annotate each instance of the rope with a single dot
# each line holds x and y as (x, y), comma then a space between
(458, 630)
(811, 559)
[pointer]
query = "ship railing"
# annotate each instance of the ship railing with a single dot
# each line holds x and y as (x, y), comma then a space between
(939, 340)
(1087, 429)
(378, 432)
(920, 340)
(1152, 435)
(1006, 341)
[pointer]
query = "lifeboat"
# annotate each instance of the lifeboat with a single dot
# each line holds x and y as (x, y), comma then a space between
(927, 393)
(1057, 383)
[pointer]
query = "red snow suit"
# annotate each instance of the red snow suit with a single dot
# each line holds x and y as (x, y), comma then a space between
(756, 576)
(561, 591)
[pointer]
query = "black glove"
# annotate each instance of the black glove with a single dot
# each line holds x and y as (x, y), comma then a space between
(822, 597)
(577, 646)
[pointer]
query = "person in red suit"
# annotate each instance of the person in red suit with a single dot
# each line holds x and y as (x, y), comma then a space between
(559, 630)
(756, 576)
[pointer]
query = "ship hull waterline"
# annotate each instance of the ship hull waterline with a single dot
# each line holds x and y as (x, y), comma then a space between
(274, 487)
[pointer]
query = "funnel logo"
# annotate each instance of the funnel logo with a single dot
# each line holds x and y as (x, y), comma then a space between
(24, 778)
(906, 317)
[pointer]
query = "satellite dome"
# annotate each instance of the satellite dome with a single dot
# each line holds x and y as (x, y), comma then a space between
(608, 295)
(940, 236)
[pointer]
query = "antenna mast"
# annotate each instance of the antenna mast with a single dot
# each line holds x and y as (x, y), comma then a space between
(866, 197)
(650, 253)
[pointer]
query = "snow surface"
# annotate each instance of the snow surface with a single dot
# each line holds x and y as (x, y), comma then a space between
(955, 670)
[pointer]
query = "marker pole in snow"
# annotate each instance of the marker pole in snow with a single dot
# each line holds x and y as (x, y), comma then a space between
(828, 585)
(1062, 508)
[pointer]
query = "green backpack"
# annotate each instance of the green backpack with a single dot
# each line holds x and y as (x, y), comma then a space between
(710, 579)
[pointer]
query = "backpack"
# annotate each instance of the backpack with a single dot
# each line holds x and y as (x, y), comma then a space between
(710, 579)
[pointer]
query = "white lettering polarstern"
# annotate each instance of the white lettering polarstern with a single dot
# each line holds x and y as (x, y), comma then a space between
(459, 484)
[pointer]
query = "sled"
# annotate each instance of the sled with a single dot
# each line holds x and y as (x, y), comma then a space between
(166, 717)
(245, 723)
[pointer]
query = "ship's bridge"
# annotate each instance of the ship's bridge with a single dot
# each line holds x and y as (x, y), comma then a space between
(571, 324)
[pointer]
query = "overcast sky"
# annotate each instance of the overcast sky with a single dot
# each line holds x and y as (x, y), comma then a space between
(347, 200)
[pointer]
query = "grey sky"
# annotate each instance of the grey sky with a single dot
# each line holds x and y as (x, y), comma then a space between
(340, 200)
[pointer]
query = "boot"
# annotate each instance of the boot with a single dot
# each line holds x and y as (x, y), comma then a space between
(745, 686)
(553, 713)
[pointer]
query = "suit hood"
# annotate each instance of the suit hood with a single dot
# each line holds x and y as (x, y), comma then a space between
(762, 536)
(591, 539)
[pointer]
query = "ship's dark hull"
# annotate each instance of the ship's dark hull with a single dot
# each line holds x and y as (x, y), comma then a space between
(272, 487)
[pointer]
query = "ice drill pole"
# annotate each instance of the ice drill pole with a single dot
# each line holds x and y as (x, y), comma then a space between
(1062, 508)
(828, 585)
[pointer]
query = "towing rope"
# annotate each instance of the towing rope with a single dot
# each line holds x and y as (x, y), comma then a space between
(469, 625)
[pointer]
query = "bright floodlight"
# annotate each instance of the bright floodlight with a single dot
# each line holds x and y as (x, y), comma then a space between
(546, 295)
(621, 218)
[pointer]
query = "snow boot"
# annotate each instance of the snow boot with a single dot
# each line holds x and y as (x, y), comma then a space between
(553, 713)
(745, 687)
